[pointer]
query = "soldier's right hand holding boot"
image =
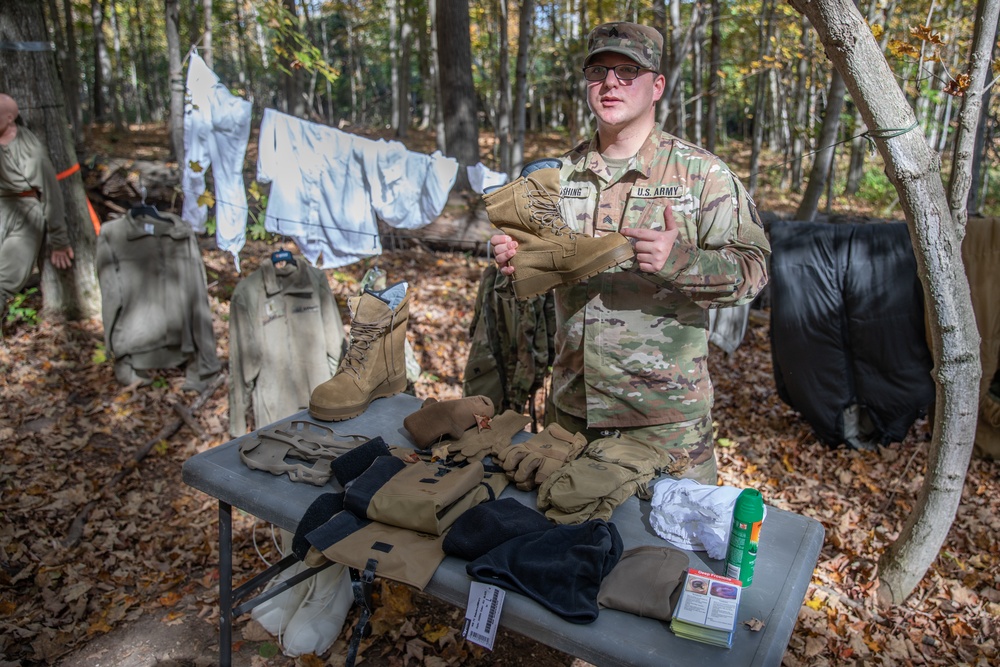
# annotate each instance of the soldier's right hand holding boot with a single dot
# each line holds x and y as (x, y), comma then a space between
(504, 248)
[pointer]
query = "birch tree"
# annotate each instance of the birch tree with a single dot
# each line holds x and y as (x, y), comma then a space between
(172, 8)
(936, 221)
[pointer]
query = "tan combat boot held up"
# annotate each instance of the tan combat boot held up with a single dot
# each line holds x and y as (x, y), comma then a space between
(549, 253)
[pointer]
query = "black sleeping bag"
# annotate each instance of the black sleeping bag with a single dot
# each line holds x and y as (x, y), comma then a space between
(847, 326)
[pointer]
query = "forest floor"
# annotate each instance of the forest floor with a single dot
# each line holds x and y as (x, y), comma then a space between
(139, 586)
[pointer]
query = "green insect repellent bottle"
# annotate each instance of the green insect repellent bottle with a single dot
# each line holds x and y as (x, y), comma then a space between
(748, 514)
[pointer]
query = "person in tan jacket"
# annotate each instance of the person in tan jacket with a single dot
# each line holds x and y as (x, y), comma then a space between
(31, 204)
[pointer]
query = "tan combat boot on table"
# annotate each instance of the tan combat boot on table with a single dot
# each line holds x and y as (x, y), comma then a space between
(549, 253)
(374, 365)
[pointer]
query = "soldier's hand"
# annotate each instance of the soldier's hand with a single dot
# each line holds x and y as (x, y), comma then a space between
(63, 258)
(504, 247)
(652, 247)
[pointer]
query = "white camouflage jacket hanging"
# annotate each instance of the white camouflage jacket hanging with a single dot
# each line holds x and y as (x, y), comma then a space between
(216, 131)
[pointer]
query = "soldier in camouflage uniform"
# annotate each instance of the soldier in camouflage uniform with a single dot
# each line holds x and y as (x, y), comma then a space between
(632, 342)
(31, 205)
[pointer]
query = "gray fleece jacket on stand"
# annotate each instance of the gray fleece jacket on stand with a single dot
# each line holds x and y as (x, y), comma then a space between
(154, 298)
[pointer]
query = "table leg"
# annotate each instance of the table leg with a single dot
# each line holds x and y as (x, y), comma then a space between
(225, 584)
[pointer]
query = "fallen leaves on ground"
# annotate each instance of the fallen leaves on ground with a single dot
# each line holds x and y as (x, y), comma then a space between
(150, 543)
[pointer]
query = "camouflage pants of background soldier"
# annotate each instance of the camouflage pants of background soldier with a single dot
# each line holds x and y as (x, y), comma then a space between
(690, 444)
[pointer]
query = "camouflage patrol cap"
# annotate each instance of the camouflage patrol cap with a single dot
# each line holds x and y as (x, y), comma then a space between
(641, 43)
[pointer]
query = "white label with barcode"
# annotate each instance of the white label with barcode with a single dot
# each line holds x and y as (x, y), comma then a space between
(482, 615)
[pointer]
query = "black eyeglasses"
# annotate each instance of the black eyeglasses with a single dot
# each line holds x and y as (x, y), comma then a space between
(623, 72)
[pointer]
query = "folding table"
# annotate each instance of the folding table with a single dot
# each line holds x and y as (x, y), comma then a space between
(789, 549)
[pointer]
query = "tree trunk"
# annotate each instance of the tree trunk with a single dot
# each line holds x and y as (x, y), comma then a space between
(801, 106)
(764, 46)
(393, 10)
(117, 78)
(150, 86)
(242, 52)
(525, 23)
(459, 96)
(176, 80)
(977, 184)
(960, 180)
(29, 76)
(936, 233)
(823, 160)
(72, 75)
(697, 76)
(102, 63)
(206, 43)
(503, 89)
(441, 136)
(859, 147)
(672, 66)
(715, 62)
(406, 49)
(292, 81)
(60, 42)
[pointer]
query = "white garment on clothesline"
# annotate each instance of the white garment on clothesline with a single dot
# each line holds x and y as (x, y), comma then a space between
(329, 188)
(482, 177)
(216, 132)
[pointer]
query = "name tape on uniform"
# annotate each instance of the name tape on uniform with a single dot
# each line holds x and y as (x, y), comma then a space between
(574, 191)
(649, 191)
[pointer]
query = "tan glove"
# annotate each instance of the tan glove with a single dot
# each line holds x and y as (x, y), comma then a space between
(531, 462)
(609, 472)
(477, 442)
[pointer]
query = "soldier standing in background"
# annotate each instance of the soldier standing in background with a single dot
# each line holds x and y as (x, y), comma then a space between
(632, 342)
(31, 205)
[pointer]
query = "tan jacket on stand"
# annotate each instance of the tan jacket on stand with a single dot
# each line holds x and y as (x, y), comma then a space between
(286, 337)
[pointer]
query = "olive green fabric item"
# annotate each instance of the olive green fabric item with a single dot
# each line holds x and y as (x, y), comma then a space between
(301, 449)
(609, 472)
(435, 419)
(427, 497)
(641, 43)
(690, 445)
(374, 365)
(647, 581)
(497, 435)
(531, 462)
(403, 555)
(549, 252)
(511, 344)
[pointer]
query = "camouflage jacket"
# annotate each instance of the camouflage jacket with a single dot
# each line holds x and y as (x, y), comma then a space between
(631, 348)
(511, 344)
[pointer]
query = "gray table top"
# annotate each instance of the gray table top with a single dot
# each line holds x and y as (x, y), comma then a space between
(789, 549)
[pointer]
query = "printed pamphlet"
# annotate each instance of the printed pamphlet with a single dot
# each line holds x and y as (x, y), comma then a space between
(707, 608)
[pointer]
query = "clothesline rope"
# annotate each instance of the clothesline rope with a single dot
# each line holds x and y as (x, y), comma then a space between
(868, 135)
(281, 219)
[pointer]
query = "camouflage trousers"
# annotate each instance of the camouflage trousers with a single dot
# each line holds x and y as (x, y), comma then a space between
(691, 445)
